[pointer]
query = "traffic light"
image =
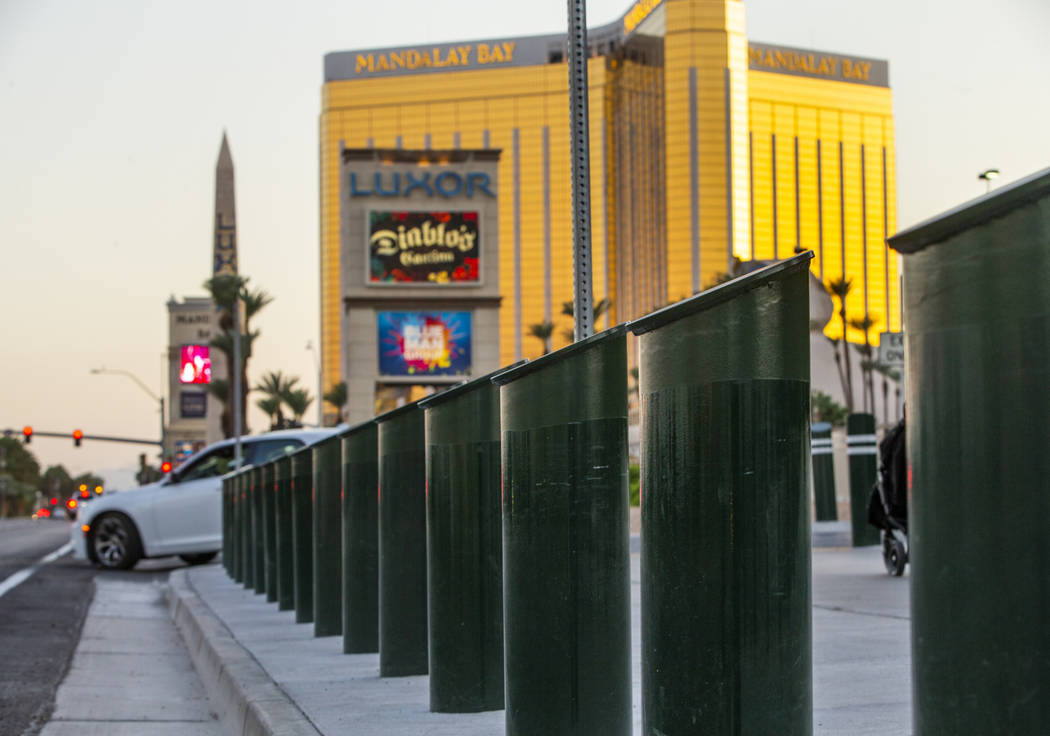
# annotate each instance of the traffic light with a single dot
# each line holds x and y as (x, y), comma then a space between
(165, 467)
(27, 434)
(54, 502)
(98, 490)
(84, 491)
(77, 436)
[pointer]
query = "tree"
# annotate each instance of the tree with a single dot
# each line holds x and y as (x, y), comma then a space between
(337, 397)
(298, 401)
(276, 386)
(826, 409)
(87, 479)
(568, 308)
(888, 372)
(841, 288)
(57, 482)
(225, 292)
(19, 477)
(542, 331)
(18, 462)
(865, 324)
(271, 407)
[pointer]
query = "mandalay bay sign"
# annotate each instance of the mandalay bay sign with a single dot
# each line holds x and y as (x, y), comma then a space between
(423, 248)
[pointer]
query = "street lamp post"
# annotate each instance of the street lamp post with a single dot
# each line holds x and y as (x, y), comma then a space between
(986, 176)
(115, 372)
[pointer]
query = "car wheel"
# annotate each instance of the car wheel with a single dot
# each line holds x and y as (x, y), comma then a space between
(115, 542)
(198, 559)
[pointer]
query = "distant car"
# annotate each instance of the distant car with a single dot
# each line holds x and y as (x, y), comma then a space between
(180, 514)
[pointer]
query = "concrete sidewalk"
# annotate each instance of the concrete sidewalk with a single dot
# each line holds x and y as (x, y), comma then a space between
(131, 674)
(266, 674)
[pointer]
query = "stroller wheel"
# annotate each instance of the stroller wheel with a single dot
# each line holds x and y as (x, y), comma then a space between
(894, 556)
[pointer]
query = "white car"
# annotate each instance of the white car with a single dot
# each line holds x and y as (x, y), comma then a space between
(180, 514)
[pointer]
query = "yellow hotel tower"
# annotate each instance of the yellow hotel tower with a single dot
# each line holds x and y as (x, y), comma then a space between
(705, 146)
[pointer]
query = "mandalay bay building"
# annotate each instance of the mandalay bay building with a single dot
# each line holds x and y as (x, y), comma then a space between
(707, 149)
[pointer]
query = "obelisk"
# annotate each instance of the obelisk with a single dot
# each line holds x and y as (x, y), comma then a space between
(225, 253)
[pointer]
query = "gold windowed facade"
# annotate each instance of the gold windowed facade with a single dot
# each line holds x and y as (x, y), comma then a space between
(706, 148)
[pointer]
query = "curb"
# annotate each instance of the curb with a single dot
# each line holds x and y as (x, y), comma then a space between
(246, 699)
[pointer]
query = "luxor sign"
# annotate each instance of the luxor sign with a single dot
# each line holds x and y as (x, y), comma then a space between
(432, 184)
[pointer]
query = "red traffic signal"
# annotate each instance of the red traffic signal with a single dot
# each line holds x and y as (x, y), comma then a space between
(71, 504)
(27, 434)
(77, 436)
(165, 467)
(54, 502)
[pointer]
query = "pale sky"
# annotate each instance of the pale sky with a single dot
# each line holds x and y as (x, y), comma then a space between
(111, 115)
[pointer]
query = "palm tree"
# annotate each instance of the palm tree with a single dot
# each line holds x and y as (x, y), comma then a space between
(841, 288)
(225, 292)
(888, 372)
(277, 387)
(254, 301)
(337, 397)
(568, 308)
(542, 331)
(298, 401)
(271, 406)
(864, 324)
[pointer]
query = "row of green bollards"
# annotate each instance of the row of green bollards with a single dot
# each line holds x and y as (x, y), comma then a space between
(496, 555)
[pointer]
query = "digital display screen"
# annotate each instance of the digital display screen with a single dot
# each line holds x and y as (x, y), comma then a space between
(423, 248)
(195, 364)
(424, 343)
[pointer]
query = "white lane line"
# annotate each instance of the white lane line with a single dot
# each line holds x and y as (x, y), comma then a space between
(16, 579)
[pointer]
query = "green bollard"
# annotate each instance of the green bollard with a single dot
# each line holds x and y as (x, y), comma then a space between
(258, 530)
(247, 574)
(302, 534)
(402, 543)
(230, 524)
(863, 453)
(726, 578)
(226, 524)
(823, 472)
(269, 498)
(977, 310)
(566, 553)
(236, 561)
(283, 525)
(464, 548)
(361, 539)
(327, 537)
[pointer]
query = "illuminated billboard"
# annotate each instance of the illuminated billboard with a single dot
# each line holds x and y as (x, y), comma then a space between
(423, 248)
(424, 343)
(195, 364)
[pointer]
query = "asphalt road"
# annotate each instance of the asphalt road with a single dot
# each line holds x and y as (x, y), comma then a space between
(40, 620)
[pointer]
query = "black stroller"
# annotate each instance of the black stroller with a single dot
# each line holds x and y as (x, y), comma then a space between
(888, 505)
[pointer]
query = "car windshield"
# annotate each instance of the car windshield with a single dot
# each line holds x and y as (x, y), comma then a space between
(266, 450)
(217, 462)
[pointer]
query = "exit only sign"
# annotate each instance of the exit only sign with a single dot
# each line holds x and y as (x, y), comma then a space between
(891, 349)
